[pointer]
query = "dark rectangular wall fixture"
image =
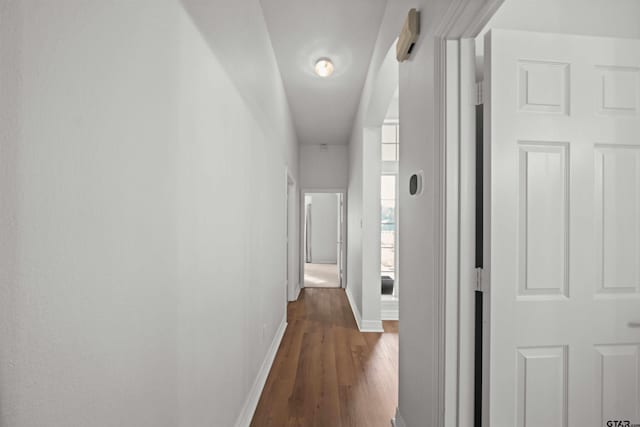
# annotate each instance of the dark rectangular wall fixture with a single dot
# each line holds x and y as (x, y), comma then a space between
(477, 386)
(479, 184)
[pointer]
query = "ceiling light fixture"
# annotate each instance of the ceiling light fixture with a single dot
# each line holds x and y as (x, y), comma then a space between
(324, 67)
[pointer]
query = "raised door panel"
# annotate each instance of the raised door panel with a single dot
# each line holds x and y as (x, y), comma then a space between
(543, 219)
(542, 387)
(619, 90)
(543, 87)
(618, 382)
(617, 171)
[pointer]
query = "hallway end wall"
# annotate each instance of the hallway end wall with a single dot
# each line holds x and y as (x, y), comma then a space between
(323, 167)
(324, 228)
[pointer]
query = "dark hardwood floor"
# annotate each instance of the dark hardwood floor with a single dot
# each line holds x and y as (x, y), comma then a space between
(326, 372)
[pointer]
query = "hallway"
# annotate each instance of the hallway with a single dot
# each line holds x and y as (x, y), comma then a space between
(171, 169)
(326, 372)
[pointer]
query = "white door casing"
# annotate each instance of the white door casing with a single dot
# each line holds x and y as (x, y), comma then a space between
(339, 239)
(562, 144)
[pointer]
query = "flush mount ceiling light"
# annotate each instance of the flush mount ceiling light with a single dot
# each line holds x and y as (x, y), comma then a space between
(324, 67)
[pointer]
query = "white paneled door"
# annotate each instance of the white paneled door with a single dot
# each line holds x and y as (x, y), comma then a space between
(563, 153)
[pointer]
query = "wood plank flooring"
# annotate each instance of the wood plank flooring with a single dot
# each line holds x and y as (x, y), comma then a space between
(326, 372)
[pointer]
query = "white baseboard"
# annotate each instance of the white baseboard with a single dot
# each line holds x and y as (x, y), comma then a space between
(354, 307)
(363, 325)
(250, 405)
(389, 309)
(323, 261)
(371, 326)
(296, 293)
(397, 421)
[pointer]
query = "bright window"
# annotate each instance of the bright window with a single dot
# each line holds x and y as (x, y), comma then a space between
(388, 225)
(390, 139)
(389, 200)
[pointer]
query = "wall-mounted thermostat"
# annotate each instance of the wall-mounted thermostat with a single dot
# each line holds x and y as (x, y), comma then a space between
(415, 184)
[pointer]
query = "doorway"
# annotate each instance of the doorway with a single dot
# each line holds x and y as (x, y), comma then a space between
(322, 239)
(560, 164)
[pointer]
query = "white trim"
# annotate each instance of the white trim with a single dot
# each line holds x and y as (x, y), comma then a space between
(466, 261)
(323, 190)
(354, 308)
(372, 326)
(297, 292)
(463, 19)
(452, 201)
(440, 239)
(324, 261)
(345, 243)
(482, 18)
(389, 308)
(291, 239)
(250, 405)
(398, 421)
(363, 324)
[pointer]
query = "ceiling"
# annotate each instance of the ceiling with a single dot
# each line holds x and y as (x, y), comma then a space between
(302, 31)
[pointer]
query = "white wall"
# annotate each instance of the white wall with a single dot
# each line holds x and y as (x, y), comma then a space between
(324, 167)
(121, 278)
(354, 218)
(393, 112)
(363, 256)
(324, 228)
(419, 381)
(371, 282)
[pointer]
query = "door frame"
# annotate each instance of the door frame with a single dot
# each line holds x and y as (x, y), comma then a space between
(456, 278)
(292, 290)
(463, 278)
(343, 230)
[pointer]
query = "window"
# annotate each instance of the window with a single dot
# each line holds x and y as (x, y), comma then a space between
(389, 201)
(390, 139)
(388, 225)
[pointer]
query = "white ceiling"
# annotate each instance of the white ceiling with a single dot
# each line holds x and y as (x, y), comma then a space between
(303, 31)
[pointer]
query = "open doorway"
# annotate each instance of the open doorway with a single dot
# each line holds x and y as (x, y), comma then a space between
(322, 240)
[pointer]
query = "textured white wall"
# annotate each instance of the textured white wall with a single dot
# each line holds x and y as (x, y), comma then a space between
(142, 204)
(324, 167)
